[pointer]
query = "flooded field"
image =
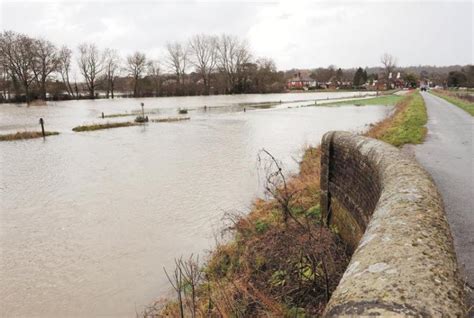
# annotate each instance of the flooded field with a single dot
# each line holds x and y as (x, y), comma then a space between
(88, 220)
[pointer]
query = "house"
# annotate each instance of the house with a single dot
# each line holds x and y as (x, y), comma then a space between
(299, 81)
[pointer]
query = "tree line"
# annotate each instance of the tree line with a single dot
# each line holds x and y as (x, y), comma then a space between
(35, 68)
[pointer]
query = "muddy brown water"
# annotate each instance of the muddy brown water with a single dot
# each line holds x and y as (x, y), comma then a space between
(88, 220)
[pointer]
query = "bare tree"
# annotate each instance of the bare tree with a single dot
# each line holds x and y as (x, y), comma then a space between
(389, 62)
(136, 65)
(176, 281)
(5, 77)
(276, 185)
(64, 68)
(91, 65)
(203, 49)
(185, 279)
(112, 68)
(266, 74)
(153, 71)
(232, 55)
(17, 51)
(177, 60)
(46, 61)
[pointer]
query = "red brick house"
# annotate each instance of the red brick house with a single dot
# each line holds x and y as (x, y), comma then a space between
(299, 81)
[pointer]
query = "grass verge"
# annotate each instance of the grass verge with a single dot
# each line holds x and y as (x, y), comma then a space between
(406, 125)
(279, 261)
(26, 135)
(103, 126)
(453, 99)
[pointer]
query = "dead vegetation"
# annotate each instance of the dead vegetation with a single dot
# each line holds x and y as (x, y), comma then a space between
(26, 135)
(169, 119)
(103, 126)
(280, 261)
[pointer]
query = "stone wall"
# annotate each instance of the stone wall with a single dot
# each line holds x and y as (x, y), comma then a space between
(404, 261)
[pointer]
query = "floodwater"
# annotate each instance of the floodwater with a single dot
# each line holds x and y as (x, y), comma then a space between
(88, 220)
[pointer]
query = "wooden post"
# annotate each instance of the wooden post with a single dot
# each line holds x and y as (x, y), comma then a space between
(143, 111)
(41, 121)
(103, 115)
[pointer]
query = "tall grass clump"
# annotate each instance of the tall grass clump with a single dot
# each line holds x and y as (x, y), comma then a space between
(26, 135)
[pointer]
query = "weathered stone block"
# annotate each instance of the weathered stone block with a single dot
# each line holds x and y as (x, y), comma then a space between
(404, 264)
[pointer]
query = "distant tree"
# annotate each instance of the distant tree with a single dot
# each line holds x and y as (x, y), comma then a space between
(64, 68)
(456, 79)
(46, 61)
(153, 72)
(365, 77)
(203, 55)
(323, 75)
(233, 54)
(18, 53)
(424, 75)
(266, 75)
(136, 65)
(469, 71)
(112, 68)
(358, 77)
(177, 60)
(4, 80)
(91, 65)
(339, 75)
(410, 79)
(389, 63)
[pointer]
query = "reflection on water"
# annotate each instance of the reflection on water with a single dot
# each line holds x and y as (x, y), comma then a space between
(88, 220)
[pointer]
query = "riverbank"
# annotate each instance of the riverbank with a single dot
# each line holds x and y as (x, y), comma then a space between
(280, 260)
(452, 97)
(26, 135)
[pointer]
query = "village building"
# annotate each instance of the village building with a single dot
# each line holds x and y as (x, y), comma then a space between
(301, 81)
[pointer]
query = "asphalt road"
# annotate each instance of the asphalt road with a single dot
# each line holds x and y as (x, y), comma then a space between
(447, 154)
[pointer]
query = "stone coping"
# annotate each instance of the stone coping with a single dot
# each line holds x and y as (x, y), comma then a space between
(404, 264)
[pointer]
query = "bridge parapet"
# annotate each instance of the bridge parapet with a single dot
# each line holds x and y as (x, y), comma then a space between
(388, 209)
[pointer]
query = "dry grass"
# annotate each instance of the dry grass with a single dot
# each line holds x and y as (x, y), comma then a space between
(462, 100)
(170, 119)
(273, 268)
(103, 126)
(26, 135)
(277, 268)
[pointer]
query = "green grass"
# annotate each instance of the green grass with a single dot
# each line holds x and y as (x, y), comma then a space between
(379, 100)
(461, 103)
(26, 135)
(103, 126)
(406, 126)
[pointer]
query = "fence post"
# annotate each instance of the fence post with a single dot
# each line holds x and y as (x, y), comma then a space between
(41, 121)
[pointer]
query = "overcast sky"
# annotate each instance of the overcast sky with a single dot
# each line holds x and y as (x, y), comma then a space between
(296, 34)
